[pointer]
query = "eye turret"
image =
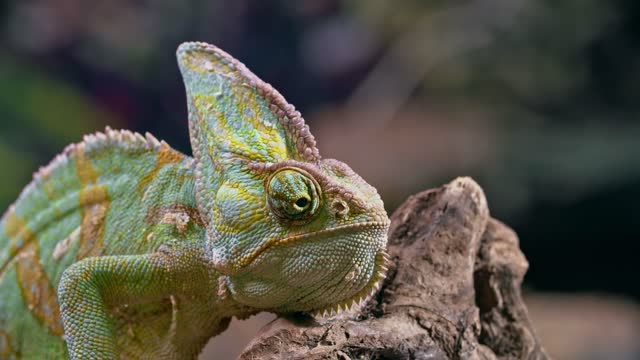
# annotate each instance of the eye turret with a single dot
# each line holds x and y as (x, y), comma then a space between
(293, 195)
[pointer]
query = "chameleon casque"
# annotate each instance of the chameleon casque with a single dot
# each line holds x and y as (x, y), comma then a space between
(123, 247)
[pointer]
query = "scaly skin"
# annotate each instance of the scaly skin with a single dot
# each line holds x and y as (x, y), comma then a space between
(125, 248)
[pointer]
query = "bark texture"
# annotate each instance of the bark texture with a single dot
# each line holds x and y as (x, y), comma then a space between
(452, 292)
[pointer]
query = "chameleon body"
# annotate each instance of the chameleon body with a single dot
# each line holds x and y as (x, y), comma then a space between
(123, 247)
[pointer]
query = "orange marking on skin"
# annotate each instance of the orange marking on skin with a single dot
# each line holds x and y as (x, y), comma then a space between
(5, 345)
(94, 202)
(84, 168)
(36, 289)
(166, 155)
(16, 229)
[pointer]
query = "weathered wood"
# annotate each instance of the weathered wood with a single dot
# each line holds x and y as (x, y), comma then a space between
(452, 292)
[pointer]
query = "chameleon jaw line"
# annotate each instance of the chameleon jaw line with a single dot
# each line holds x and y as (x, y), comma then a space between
(281, 241)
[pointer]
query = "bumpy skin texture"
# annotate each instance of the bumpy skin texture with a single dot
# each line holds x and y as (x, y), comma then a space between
(125, 248)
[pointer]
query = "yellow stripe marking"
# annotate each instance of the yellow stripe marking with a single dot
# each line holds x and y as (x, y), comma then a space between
(84, 168)
(37, 291)
(166, 155)
(16, 229)
(94, 203)
(5, 345)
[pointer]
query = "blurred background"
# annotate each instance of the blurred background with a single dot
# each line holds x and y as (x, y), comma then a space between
(538, 100)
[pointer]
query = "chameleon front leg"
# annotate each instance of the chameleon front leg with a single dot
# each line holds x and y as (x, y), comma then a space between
(89, 288)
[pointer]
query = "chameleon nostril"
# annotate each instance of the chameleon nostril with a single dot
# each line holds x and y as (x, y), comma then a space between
(340, 207)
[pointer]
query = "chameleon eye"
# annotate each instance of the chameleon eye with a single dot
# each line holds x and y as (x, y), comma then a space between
(293, 195)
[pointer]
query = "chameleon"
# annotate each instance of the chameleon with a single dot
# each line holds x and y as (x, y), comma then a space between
(123, 247)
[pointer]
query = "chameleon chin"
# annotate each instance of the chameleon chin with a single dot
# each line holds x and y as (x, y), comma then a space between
(123, 247)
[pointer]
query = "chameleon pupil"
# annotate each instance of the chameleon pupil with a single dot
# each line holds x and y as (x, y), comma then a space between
(302, 202)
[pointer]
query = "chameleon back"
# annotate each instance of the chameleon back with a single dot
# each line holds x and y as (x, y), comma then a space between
(92, 200)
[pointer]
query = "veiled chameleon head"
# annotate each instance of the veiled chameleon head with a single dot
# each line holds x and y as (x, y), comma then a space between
(291, 231)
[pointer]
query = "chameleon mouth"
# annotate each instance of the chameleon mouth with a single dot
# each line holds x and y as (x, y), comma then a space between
(381, 267)
(383, 225)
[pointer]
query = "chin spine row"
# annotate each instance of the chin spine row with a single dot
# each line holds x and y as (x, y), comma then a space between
(381, 268)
